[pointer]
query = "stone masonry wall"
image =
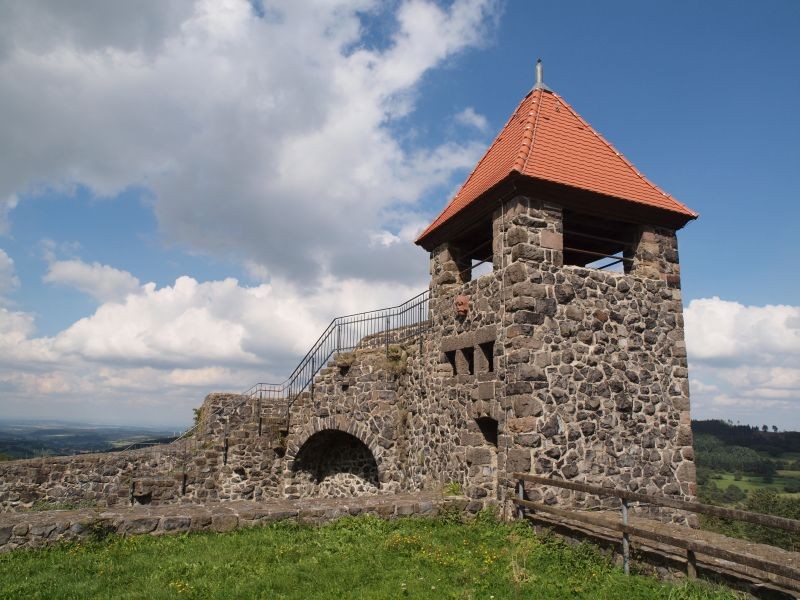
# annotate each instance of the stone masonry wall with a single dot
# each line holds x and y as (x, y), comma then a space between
(590, 377)
(107, 479)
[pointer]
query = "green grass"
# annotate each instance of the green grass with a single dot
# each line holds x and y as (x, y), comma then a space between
(748, 483)
(352, 558)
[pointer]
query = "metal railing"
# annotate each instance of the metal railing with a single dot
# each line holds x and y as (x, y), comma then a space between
(375, 329)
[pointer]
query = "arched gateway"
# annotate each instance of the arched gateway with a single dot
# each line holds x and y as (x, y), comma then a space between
(333, 463)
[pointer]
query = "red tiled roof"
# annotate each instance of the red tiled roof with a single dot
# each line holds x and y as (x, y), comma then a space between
(546, 139)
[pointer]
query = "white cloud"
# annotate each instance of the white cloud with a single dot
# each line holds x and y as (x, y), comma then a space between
(718, 330)
(6, 206)
(266, 139)
(101, 282)
(744, 359)
(169, 346)
(8, 279)
(470, 118)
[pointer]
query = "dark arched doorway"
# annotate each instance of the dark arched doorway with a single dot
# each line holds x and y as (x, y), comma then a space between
(335, 464)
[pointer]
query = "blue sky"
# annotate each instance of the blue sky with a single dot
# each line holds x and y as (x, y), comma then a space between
(191, 190)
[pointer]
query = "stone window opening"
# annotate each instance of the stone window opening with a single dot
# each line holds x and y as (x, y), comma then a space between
(597, 243)
(486, 357)
(142, 498)
(466, 366)
(489, 429)
(450, 357)
(473, 252)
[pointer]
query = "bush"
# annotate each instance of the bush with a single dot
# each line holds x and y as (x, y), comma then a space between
(793, 487)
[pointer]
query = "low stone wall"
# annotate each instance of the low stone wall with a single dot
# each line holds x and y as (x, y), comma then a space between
(37, 529)
(103, 479)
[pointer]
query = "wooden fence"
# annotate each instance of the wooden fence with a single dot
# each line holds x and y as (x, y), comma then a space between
(691, 546)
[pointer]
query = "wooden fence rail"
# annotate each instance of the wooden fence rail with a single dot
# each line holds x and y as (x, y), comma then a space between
(691, 546)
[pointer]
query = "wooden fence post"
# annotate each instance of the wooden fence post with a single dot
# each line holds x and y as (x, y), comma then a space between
(691, 564)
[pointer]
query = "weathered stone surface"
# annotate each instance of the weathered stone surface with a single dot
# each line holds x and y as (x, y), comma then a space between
(527, 406)
(519, 460)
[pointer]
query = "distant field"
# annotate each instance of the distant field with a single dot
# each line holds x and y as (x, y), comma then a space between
(35, 439)
(748, 483)
(360, 558)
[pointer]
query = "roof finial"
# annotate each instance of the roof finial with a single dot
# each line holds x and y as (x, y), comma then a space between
(540, 77)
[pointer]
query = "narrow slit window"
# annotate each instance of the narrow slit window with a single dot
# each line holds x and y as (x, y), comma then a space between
(487, 356)
(488, 427)
(469, 360)
(451, 358)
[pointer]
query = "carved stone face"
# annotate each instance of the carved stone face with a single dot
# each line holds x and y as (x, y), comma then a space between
(462, 306)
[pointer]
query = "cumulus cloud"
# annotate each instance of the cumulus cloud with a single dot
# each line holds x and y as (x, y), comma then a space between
(169, 345)
(262, 137)
(744, 359)
(470, 118)
(8, 278)
(101, 282)
(718, 330)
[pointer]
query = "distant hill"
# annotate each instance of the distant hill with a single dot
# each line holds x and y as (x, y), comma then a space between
(774, 443)
(31, 439)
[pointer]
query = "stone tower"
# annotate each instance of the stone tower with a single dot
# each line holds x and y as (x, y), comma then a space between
(557, 314)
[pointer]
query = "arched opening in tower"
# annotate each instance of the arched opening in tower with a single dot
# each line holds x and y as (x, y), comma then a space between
(335, 464)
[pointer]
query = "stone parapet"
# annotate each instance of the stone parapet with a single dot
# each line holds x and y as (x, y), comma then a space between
(37, 529)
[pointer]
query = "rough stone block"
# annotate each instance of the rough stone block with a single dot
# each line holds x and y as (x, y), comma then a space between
(528, 317)
(522, 425)
(564, 293)
(486, 390)
(519, 460)
(522, 303)
(552, 240)
(479, 456)
(532, 290)
(527, 406)
(531, 373)
(517, 235)
(139, 526)
(515, 273)
(485, 334)
(527, 252)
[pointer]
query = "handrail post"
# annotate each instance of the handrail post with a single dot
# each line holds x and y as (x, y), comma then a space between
(520, 496)
(338, 338)
(626, 542)
(313, 373)
(420, 329)
(387, 336)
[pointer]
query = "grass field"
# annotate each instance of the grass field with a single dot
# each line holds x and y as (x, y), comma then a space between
(352, 558)
(748, 483)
